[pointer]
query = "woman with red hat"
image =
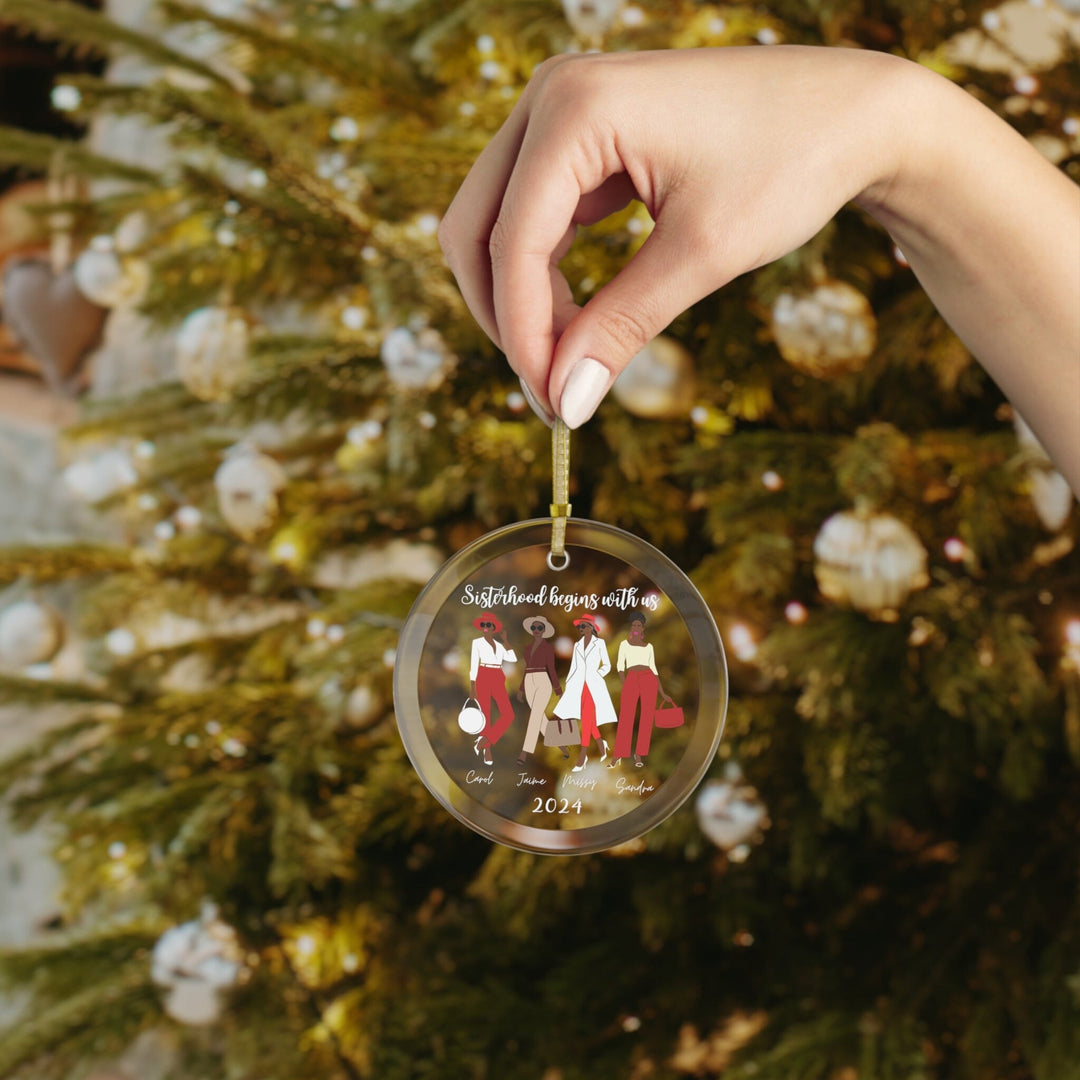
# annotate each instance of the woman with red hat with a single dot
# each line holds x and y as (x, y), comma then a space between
(488, 682)
(586, 697)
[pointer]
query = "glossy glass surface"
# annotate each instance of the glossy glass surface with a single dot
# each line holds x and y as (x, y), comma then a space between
(545, 805)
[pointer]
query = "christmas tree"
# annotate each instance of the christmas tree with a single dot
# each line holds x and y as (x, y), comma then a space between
(879, 878)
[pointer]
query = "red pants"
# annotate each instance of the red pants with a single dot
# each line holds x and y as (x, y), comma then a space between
(589, 728)
(640, 686)
(491, 685)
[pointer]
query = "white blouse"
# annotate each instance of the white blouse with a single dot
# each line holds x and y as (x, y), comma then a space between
(636, 656)
(491, 655)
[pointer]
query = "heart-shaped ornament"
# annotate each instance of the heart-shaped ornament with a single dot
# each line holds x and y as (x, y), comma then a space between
(52, 320)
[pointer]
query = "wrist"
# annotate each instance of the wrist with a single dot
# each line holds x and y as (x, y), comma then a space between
(904, 116)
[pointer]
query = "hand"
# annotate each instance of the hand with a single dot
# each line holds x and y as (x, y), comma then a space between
(558, 689)
(739, 154)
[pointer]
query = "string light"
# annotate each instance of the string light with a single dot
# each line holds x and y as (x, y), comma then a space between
(1072, 643)
(188, 517)
(955, 549)
(354, 317)
(795, 613)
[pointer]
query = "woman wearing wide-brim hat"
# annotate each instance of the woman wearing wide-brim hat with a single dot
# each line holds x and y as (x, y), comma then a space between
(488, 682)
(538, 681)
(586, 697)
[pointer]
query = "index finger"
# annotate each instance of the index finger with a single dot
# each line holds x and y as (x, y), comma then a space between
(548, 181)
(465, 230)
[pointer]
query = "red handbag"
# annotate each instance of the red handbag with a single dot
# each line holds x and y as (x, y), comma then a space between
(670, 716)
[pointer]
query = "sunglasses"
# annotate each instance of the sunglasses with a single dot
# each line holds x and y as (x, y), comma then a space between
(487, 626)
(537, 626)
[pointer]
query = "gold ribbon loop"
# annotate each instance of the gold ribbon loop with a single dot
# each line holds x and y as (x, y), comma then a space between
(560, 494)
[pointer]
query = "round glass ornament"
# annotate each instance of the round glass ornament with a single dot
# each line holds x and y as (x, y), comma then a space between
(590, 738)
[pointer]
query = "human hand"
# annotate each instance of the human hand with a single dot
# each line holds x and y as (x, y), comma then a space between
(739, 154)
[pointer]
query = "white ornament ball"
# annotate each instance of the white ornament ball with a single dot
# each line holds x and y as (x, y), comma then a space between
(729, 813)
(121, 642)
(363, 706)
(658, 383)
(592, 18)
(101, 476)
(196, 962)
(826, 332)
(1050, 491)
(247, 485)
(30, 633)
(212, 350)
(108, 280)
(132, 232)
(1051, 496)
(415, 361)
(871, 562)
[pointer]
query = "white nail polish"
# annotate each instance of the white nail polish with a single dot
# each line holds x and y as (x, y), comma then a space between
(535, 405)
(588, 383)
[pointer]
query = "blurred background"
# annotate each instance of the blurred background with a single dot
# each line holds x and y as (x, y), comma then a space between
(245, 415)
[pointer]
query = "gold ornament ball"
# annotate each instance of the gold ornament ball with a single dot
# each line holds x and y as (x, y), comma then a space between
(247, 485)
(871, 562)
(30, 633)
(827, 332)
(212, 351)
(658, 383)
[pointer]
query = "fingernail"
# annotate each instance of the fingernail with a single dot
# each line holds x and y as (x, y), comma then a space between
(584, 390)
(535, 405)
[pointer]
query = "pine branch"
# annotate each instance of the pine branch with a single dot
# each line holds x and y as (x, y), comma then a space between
(90, 31)
(14, 688)
(373, 64)
(44, 563)
(38, 152)
(74, 1022)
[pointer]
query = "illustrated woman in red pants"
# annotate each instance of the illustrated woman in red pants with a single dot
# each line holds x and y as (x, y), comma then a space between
(488, 682)
(641, 683)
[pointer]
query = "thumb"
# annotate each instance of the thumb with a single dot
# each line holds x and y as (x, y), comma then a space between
(661, 281)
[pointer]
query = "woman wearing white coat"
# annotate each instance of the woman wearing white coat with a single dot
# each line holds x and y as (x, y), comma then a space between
(586, 697)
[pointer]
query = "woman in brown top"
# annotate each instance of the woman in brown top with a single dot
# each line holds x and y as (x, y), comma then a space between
(538, 681)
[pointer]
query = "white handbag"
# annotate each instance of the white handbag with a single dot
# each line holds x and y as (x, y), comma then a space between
(471, 719)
